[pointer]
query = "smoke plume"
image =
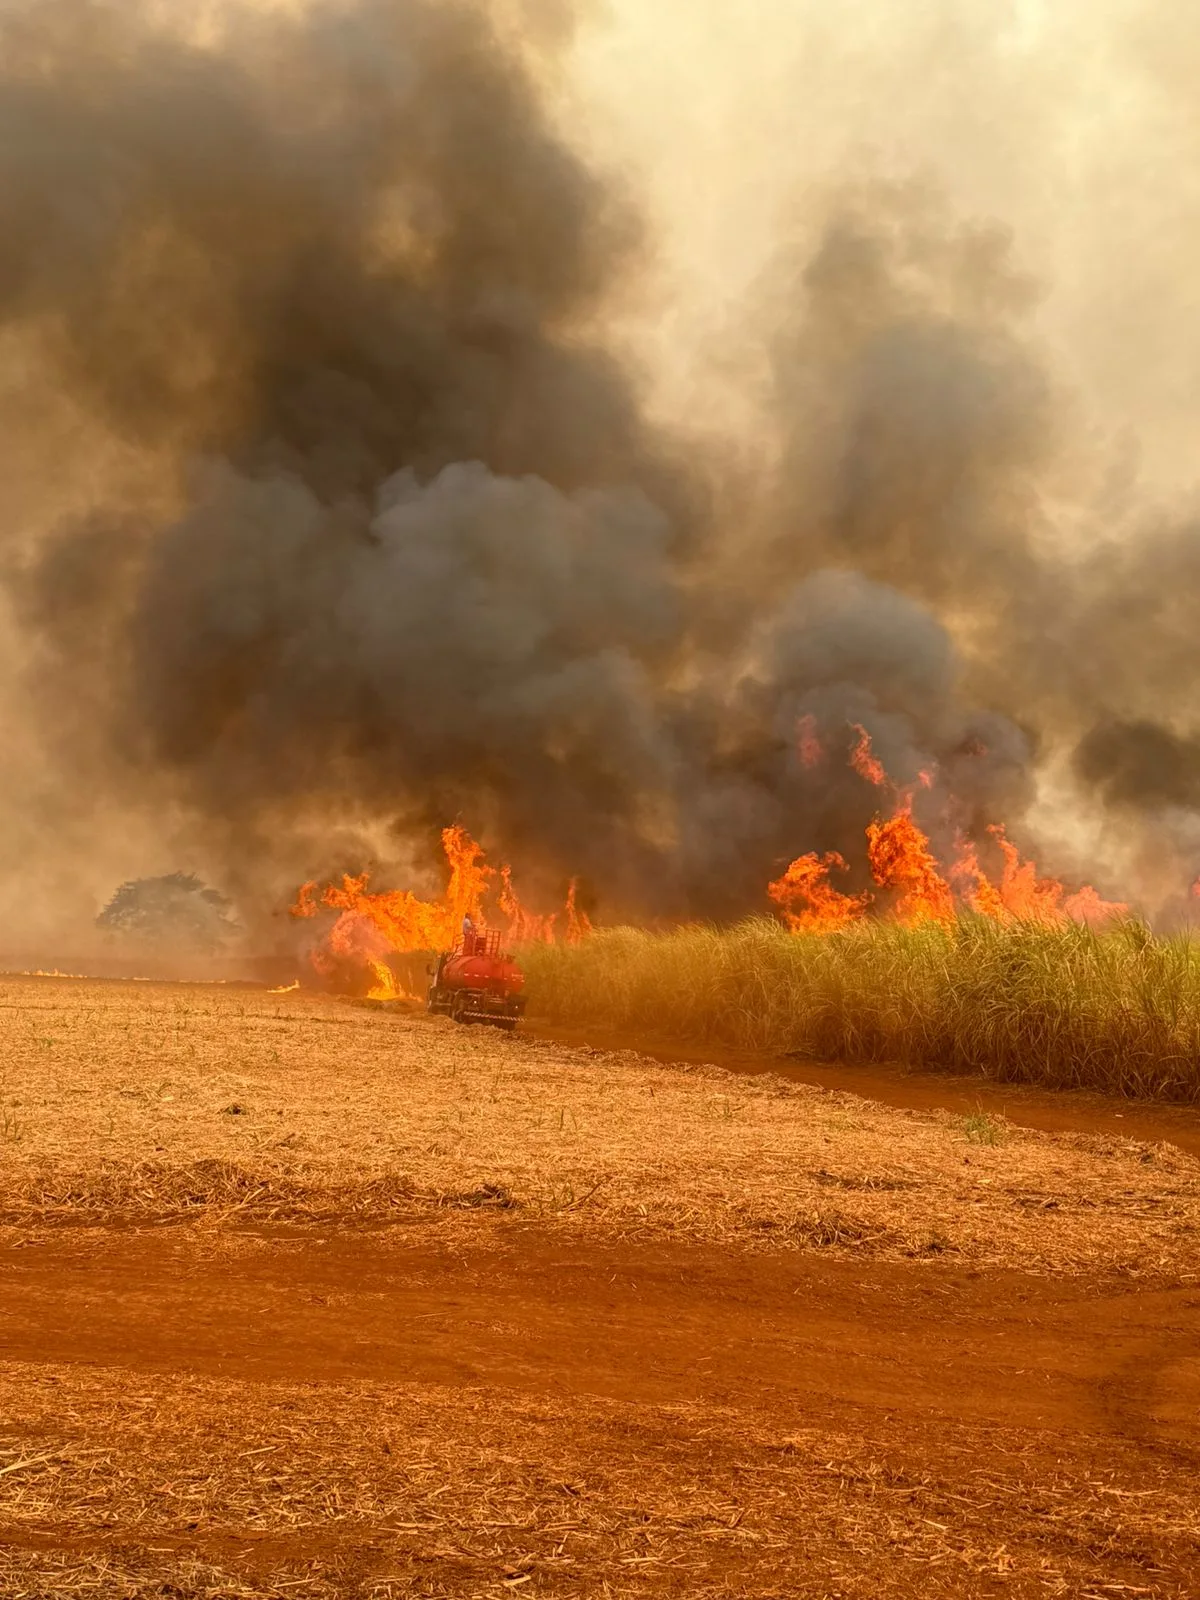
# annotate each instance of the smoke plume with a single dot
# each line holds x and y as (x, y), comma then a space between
(336, 511)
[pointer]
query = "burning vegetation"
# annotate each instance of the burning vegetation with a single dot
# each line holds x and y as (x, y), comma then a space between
(357, 949)
(371, 928)
(915, 887)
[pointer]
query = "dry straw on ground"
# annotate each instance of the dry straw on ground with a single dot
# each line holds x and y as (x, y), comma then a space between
(221, 1489)
(233, 1106)
(1066, 1007)
(227, 1108)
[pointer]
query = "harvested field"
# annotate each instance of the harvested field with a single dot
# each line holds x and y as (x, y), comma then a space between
(304, 1298)
(155, 1104)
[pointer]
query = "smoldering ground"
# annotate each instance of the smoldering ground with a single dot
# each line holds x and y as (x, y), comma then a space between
(345, 519)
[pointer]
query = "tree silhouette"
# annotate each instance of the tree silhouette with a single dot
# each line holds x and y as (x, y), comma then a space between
(177, 909)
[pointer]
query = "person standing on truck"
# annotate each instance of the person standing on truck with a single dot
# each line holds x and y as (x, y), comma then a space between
(468, 949)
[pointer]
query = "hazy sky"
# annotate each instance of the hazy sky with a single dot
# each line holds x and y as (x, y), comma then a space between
(1072, 124)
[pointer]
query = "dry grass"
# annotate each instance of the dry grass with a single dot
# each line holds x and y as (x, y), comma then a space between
(1117, 1012)
(224, 1106)
(220, 1489)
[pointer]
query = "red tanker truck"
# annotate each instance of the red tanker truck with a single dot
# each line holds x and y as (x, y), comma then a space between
(477, 981)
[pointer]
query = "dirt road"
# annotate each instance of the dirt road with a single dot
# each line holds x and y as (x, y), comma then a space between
(871, 1429)
(789, 1340)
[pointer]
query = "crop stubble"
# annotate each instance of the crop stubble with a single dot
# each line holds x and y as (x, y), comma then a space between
(215, 1122)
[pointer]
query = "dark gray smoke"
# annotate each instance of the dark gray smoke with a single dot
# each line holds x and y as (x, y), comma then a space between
(923, 444)
(432, 564)
(368, 531)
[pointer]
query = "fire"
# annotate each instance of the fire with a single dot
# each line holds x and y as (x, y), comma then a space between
(360, 938)
(809, 901)
(579, 924)
(1085, 905)
(1022, 894)
(524, 927)
(979, 892)
(372, 927)
(287, 988)
(902, 860)
(864, 761)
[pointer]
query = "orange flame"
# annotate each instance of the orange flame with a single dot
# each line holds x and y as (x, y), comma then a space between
(371, 927)
(901, 859)
(1024, 895)
(978, 892)
(1087, 906)
(863, 760)
(579, 924)
(373, 924)
(524, 927)
(809, 901)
